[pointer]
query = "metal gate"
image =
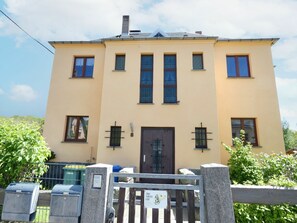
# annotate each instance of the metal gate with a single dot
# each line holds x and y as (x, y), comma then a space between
(155, 197)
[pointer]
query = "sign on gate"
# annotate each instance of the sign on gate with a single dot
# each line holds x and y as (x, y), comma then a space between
(155, 199)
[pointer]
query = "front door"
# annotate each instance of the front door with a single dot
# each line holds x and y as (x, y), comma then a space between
(157, 150)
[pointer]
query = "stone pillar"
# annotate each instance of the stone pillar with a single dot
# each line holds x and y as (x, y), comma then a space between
(218, 197)
(95, 193)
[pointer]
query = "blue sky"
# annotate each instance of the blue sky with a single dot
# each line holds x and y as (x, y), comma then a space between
(25, 67)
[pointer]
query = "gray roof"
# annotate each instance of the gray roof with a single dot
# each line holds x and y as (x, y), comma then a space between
(137, 35)
(165, 36)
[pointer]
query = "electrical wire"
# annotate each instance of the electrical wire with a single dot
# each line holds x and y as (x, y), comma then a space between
(26, 32)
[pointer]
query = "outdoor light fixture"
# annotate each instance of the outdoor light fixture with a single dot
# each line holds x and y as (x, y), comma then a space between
(132, 129)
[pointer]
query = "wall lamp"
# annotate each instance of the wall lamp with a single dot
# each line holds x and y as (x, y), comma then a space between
(132, 129)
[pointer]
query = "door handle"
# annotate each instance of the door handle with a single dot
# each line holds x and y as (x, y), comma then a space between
(144, 158)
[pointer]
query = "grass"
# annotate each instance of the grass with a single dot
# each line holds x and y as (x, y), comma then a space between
(42, 215)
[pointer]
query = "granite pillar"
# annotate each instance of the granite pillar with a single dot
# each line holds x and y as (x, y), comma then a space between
(218, 197)
(95, 193)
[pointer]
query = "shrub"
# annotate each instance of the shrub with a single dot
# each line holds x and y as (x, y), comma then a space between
(275, 169)
(279, 169)
(244, 167)
(23, 151)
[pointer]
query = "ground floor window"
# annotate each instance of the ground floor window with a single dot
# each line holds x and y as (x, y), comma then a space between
(115, 136)
(77, 128)
(248, 125)
(200, 138)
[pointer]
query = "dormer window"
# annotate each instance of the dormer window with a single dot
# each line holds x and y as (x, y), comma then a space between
(158, 35)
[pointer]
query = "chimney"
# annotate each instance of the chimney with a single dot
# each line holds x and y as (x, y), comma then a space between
(125, 26)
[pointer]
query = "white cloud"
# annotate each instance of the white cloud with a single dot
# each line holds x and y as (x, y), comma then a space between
(22, 93)
(1, 91)
(69, 19)
(286, 51)
(91, 19)
(287, 93)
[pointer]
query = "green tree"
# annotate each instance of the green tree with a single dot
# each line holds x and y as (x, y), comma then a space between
(290, 136)
(23, 151)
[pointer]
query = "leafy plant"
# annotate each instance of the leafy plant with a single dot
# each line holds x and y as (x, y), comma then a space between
(23, 151)
(244, 167)
(278, 169)
(264, 169)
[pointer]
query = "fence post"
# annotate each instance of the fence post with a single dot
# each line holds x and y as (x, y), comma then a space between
(218, 197)
(95, 193)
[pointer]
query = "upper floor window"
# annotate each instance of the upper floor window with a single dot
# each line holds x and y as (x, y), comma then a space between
(198, 62)
(146, 79)
(238, 66)
(170, 83)
(120, 62)
(77, 128)
(83, 67)
(248, 125)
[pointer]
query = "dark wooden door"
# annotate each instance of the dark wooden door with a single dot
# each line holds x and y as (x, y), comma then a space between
(157, 151)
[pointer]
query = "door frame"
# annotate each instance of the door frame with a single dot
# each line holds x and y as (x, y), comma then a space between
(173, 146)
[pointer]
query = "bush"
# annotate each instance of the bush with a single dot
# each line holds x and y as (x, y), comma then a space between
(244, 167)
(275, 169)
(23, 151)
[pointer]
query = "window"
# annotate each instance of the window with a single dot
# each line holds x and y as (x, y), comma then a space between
(248, 125)
(238, 66)
(83, 67)
(115, 136)
(77, 128)
(200, 138)
(120, 62)
(146, 79)
(158, 35)
(170, 85)
(197, 62)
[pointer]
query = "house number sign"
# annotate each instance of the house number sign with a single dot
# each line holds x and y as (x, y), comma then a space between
(97, 181)
(155, 199)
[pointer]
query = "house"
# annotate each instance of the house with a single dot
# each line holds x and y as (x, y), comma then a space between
(161, 101)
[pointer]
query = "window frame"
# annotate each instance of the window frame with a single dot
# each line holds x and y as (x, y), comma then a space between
(202, 62)
(242, 128)
(237, 66)
(168, 86)
(151, 86)
(198, 139)
(85, 58)
(117, 56)
(112, 139)
(76, 139)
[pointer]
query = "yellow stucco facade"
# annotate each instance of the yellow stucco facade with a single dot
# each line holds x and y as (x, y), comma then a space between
(205, 97)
